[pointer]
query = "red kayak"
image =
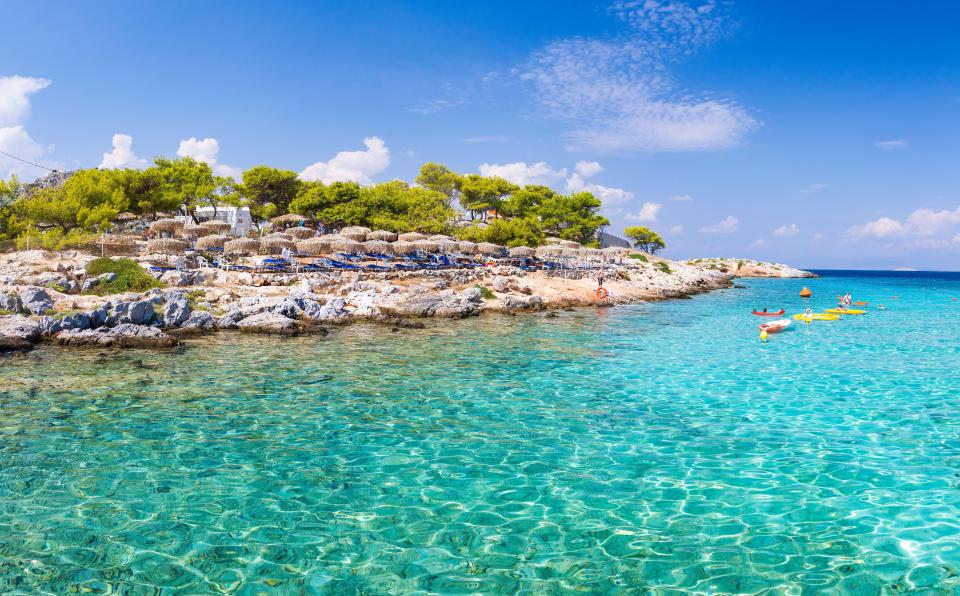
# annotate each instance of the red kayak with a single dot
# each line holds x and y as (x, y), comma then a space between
(768, 313)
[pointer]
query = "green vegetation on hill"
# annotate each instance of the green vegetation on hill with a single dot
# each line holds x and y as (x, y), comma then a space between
(130, 276)
(90, 201)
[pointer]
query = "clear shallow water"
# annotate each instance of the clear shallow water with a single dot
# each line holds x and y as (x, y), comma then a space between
(646, 448)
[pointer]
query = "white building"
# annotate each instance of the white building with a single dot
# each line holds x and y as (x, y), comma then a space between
(238, 217)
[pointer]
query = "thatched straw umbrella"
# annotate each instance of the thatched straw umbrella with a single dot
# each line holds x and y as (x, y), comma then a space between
(191, 230)
(167, 246)
(615, 251)
(166, 226)
(590, 252)
(522, 252)
(467, 247)
(446, 245)
(332, 237)
(217, 226)
(275, 246)
(442, 238)
(569, 244)
(278, 236)
(242, 246)
(125, 216)
(551, 250)
(382, 235)
(570, 252)
(346, 245)
(411, 236)
(551, 240)
(377, 247)
(211, 242)
(313, 247)
(290, 218)
(358, 233)
(489, 248)
(402, 247)
(301, 233)
(426, 246)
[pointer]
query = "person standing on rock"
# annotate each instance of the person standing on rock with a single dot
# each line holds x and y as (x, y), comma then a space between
(600, 279)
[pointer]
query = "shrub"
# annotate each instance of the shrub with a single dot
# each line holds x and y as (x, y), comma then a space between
(639, 257)
(55, 239)
(4, 312)
(131, 277)
(662, 266)
(486, 293)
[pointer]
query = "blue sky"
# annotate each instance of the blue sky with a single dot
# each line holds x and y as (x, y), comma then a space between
(823, 134)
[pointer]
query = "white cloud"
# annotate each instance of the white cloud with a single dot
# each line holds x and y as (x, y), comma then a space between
(521, 173)
(588, 168)
(787, 230)
(207, 150)
(922, 227)
(608, 195)
(15, 92)
(15, 95)
(648, 213)
(758, 243)
(681, 198)
(727, 225)
(122, 155)
(618, 94)
(541, 173)
(880, 228)
(891, 145)
(676, 230)
(352, 166)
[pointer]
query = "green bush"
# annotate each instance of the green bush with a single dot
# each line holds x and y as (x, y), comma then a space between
(55, 239)
(4, 312)
(486, 293)
(131, 277)
(639, 257)
(662, 266)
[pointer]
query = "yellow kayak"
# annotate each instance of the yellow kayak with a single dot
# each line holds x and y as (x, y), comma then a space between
(849, 311)
(817, 316)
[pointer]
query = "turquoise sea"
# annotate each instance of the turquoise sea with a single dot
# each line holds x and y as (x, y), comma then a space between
(657, 448)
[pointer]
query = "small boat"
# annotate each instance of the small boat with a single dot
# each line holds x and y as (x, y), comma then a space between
(845, 311)
(805, 292)
(764, 313)
(775, 326)
(861, 303)
(817, 316)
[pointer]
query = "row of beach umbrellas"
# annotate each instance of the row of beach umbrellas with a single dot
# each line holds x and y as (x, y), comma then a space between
(331, 243)
(210, 235)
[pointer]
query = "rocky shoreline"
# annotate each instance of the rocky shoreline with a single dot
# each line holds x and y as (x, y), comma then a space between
(43, 298)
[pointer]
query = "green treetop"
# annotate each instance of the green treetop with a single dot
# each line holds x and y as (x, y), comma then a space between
(645, 239)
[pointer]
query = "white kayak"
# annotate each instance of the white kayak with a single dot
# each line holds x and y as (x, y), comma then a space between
(775, 326)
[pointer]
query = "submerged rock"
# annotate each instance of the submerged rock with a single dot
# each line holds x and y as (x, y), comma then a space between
(124, 335)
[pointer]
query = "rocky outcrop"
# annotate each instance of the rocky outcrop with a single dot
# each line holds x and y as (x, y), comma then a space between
(18, 333)
(124, 335)
(445, 303)
(36, 300)
(269, 322)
